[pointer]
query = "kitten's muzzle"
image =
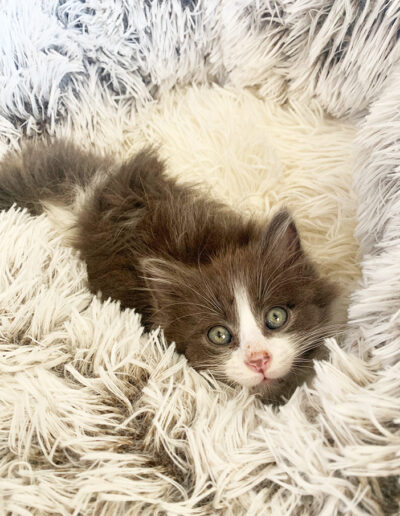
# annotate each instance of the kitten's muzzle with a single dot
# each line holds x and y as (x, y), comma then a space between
(259, 362)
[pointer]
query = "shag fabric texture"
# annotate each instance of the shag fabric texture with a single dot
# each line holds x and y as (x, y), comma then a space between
(98, 417)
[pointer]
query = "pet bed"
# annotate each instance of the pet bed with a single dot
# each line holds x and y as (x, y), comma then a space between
(262, 103)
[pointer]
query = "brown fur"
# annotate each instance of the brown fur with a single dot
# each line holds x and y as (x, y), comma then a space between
(174, 255)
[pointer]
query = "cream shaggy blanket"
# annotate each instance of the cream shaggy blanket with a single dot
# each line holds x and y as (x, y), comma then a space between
(98, 417)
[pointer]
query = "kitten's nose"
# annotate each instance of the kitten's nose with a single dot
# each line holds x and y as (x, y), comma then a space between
(259, 361)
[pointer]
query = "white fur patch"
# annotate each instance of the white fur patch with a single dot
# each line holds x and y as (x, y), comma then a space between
(63, 219)
(250, 335)
(281, 349)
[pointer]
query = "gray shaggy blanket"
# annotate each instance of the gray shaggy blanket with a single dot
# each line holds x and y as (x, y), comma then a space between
(98, 417)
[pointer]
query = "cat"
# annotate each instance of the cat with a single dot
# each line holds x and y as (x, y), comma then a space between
(240, 298)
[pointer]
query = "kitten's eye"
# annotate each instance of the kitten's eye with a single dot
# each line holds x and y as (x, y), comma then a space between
(219, 335)
(276, 317)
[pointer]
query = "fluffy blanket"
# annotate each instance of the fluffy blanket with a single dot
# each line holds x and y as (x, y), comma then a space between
(262, 103)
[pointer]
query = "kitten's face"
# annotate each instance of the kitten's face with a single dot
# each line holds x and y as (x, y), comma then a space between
(254, 315)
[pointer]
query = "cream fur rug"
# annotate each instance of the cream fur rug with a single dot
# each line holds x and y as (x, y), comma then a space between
(101, 419)
(98, 418)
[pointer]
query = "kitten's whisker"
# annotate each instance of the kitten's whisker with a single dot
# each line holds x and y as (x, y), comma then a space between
(213, 299)
(188, 315)
(217, 371)
(299, 360)
(207, 309)
(302, 367)
(216, 309)
(313, 340)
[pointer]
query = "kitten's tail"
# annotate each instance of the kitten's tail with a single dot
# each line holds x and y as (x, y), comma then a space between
(46, 172)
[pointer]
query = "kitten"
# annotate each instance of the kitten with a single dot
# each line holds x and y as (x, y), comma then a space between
(238, 297)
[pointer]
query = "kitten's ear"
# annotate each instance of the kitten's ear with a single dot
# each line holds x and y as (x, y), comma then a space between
(163, 277)
(166, 281)
(281, 235)
(159, 271)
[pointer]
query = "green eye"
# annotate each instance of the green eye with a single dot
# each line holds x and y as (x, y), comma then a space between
(219, 335)
(276, 317)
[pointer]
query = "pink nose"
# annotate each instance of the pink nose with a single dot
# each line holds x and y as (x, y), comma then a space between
(259, 361)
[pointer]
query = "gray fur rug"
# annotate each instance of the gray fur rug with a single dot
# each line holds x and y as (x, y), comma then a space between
(98, 417)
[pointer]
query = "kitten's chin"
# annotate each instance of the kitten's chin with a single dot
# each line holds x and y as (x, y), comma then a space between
(276, 392)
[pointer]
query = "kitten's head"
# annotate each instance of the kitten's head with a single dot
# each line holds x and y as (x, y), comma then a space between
(255, 315)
